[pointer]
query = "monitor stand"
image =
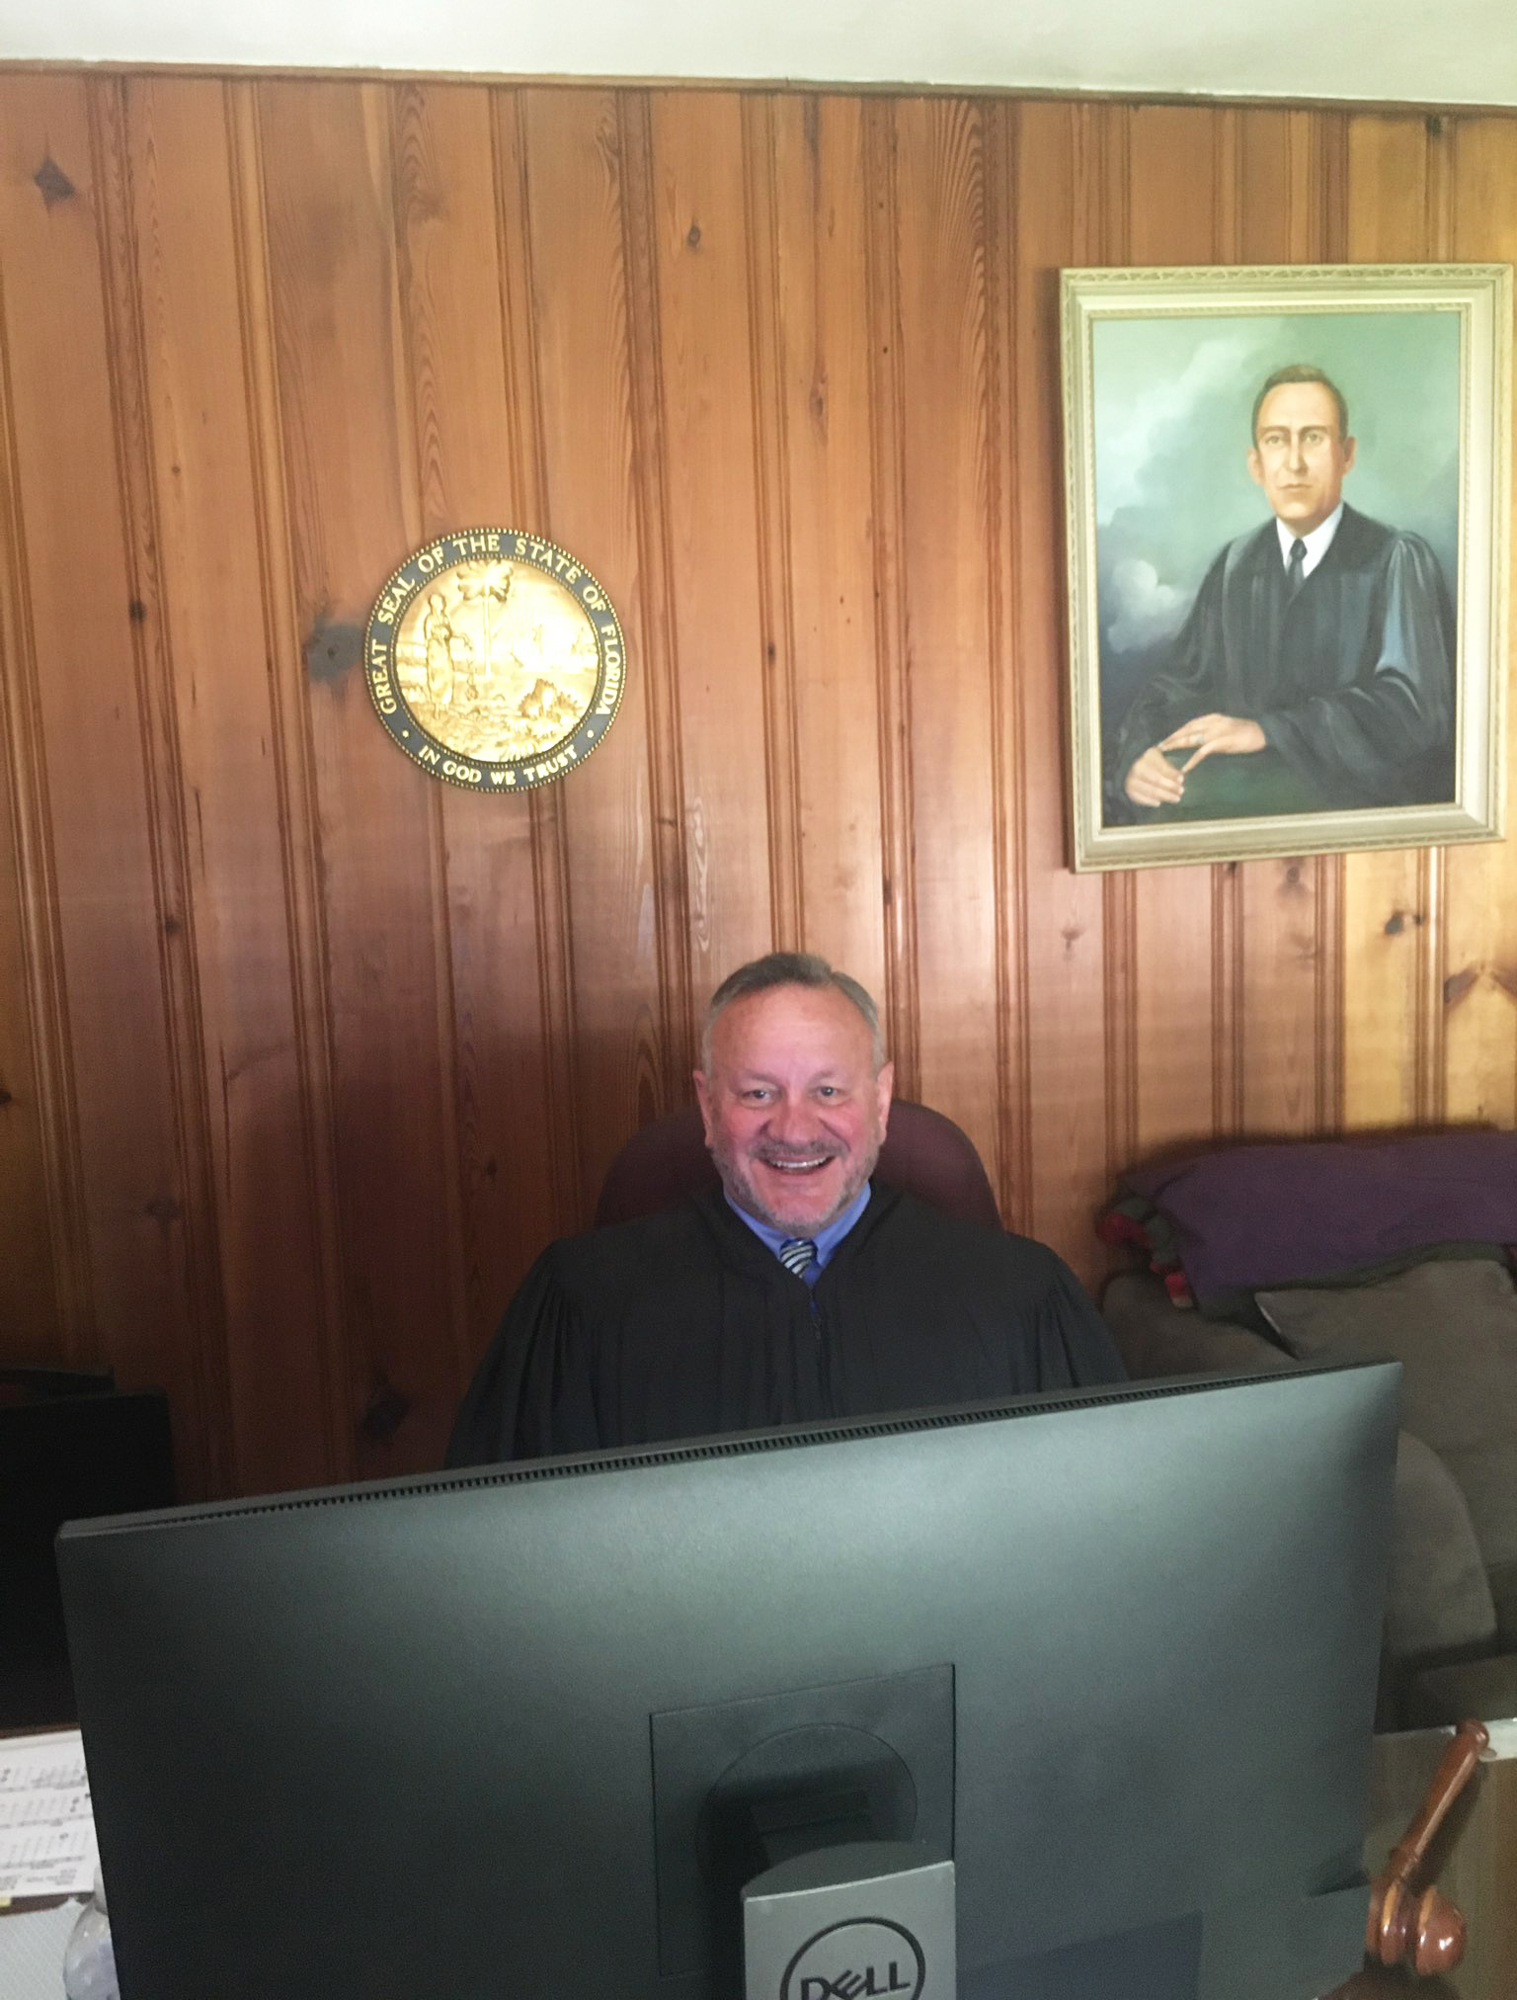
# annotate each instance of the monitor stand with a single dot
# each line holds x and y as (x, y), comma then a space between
(868, 1920)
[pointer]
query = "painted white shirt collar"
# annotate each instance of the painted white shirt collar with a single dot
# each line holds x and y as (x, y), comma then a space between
(1318, 542)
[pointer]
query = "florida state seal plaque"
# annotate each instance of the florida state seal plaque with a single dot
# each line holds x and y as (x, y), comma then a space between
(494, 659)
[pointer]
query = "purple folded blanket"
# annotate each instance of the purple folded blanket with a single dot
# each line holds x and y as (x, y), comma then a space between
(1319, 1211)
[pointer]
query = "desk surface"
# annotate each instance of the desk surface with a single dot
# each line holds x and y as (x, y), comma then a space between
(31, 1950)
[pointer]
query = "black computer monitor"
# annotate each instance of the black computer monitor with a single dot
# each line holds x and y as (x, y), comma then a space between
(484, 1736)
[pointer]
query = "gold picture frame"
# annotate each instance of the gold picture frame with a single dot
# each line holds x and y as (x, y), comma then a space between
(1345, 685)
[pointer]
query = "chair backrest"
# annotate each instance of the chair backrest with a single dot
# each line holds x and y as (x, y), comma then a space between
(924, 1154)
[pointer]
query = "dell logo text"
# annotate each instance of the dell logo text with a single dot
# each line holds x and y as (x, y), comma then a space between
(870, 1984)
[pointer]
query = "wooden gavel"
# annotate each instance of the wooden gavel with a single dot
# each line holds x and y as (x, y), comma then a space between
(1423, 1928)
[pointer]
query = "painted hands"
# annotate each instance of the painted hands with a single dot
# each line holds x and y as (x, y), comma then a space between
(1153, 781)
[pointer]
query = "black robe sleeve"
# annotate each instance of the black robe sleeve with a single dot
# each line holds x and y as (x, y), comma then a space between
(1074, 1347)
(533, 1393)
(1185, 686)
(1381, 732)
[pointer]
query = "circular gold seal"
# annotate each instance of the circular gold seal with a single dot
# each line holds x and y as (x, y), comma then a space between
(494, 659)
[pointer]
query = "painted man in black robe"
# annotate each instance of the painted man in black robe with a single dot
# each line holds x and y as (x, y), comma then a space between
(1318, 659)
(801, 1290)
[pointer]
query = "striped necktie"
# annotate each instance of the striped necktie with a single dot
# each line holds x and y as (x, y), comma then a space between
(796, 1253)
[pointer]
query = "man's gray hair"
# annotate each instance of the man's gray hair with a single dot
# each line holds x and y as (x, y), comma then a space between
(790, 968)
(1299, 371)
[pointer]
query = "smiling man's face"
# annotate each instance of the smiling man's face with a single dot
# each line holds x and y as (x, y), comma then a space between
(794, 1110)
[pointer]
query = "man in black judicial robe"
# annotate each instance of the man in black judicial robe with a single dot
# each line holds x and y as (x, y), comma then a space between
(1318, 658)
(801, 1290)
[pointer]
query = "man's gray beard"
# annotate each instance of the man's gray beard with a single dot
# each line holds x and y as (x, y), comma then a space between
(741, 1190)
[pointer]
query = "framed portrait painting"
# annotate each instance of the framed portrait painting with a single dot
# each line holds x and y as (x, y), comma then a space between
(1289, 536)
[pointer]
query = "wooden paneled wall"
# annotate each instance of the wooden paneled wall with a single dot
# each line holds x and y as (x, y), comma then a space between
(302, 1055)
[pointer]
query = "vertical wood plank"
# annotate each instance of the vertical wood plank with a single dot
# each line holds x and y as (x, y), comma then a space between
(706, 386)
(773, 546)
(299, 840)
(599, 506)
(669, 834)
(1106, 145)
(351, 463)
(1008, 693)
(36, 1327)
(882, 278)
(821, 299)
(88, 703)
(202, 500)
(946, 554)
(162, 770)
(1059, 207)
(44, 1256)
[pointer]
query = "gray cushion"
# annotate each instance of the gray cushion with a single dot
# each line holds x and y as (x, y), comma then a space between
(1453, 1328)
(1155, 1337)
(1438, 1599)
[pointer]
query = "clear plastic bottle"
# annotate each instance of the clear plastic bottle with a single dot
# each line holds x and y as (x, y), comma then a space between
(89, 1962)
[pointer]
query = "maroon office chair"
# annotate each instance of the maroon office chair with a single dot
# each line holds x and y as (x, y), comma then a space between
(924, 1154)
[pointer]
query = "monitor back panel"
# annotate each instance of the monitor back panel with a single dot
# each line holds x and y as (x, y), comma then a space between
(398, 1741)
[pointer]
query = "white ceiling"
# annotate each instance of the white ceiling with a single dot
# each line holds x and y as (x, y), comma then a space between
(1456, 52)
